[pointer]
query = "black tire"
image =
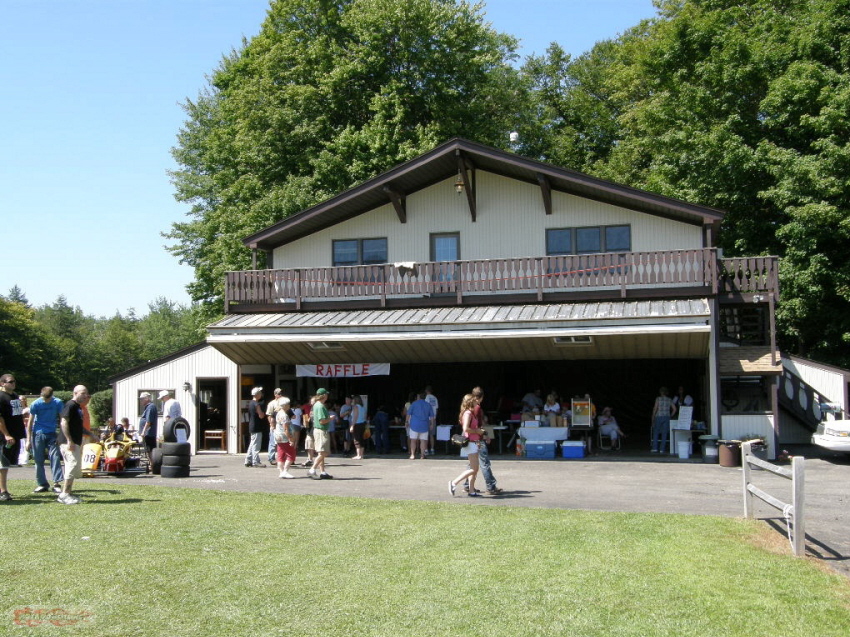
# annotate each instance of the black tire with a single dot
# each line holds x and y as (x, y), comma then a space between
(169, 429)
(156, 460)
(175, 472)
(176, 449)
(175, 461)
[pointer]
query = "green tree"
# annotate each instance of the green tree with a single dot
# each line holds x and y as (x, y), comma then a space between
(24, 347)
(326, 95)
(168, 327)
(743, 105)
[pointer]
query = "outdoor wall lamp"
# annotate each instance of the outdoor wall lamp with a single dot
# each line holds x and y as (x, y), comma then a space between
(187, 386)
(459, 182)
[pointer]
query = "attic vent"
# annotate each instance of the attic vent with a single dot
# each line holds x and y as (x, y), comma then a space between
(324, 346)
(564, 341)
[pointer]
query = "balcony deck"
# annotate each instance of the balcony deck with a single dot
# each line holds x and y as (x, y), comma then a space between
(634, 275)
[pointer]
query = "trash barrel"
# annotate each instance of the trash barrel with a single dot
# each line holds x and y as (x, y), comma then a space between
(709, 448)
(729, 453)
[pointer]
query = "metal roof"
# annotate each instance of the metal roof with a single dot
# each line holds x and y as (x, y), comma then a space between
(606, 330)
(442, 163)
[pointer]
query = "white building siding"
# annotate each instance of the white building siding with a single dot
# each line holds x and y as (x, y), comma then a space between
(511, 222)
(206, 362)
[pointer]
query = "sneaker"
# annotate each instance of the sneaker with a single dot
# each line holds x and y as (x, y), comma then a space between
(325, 476)
(451, 488)
(5, 496)
(474, 494)
(309, 463)
(41, 489)
(653, 451)
(311, 472)
(496, 491)
(286, 475)
(67, 498)
(57, 488)
(248, 464)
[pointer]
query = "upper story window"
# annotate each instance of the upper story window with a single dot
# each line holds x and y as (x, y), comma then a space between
(445, 246)
(359, 251)
(588, 240)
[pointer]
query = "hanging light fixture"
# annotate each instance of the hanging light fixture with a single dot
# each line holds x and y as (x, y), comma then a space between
(459, 182)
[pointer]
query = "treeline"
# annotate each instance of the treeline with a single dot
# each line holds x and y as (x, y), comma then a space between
(743, 105)
(61, 346)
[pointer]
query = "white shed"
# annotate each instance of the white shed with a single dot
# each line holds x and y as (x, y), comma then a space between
(203, 380)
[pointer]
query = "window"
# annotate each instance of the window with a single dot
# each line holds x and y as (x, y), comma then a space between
(559, 241)
(445, 246)
(359, 251)
(588, 240)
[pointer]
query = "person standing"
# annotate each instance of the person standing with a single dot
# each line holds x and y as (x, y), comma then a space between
(381, 430)
(345, 425)
(271, 412)
(432, 431)
(682, 399)
(483, 452)
(171, 408)
(321, 421)
(12, 428)
(357, 425)
(41, 439)
(73, 430)
(662, 411)
(257, 424)
(420, 416)
(147, 422)
(283, 436)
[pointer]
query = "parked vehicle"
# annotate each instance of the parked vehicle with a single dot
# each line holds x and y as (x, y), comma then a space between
(833, 432)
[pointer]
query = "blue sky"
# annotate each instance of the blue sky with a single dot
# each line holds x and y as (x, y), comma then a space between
(91, 93)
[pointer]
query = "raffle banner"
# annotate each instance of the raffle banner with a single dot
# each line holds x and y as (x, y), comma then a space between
(343, 370)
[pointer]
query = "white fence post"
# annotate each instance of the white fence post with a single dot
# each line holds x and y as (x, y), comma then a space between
(792, 512)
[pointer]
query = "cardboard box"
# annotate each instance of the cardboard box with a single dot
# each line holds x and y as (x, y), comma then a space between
(540, 450)
(572, 449)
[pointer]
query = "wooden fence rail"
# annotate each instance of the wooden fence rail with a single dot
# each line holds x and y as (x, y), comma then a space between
(793, 512)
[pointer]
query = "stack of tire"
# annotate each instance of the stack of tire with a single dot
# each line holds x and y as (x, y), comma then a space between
(172, 459)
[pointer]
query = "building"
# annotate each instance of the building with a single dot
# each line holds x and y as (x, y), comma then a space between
(473, 266)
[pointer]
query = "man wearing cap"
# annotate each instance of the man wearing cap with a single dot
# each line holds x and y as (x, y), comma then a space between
(321, 423)
(271, 413)
(171, 409)
(257, 424)
(147, 423)
(41, 439)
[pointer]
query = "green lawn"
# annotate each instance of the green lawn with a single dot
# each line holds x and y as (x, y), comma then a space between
(168, 561)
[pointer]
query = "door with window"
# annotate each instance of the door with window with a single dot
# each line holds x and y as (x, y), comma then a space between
(445, 253)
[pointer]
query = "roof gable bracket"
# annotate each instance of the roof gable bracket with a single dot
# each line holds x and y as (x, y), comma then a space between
(399, 201)
(546, 191)
(468, 178)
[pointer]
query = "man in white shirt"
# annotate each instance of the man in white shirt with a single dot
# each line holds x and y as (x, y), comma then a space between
(171, 408)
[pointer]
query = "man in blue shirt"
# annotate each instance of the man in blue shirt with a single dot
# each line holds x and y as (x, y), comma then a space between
(41, 437)
(420, 417)
(147, 422)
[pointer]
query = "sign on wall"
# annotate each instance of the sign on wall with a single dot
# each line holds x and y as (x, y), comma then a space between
(343, 370)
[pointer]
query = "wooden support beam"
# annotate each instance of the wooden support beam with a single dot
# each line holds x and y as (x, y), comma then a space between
(399, 201)
(546, 191)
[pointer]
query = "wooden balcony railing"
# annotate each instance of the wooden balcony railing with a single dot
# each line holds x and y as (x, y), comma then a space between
(531, 279)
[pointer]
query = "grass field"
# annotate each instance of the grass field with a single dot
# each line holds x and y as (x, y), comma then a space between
(139, 560)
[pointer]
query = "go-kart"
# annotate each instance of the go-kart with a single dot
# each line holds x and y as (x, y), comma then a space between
(116, 455)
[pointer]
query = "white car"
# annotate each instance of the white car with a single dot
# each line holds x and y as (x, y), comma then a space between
(833, 432)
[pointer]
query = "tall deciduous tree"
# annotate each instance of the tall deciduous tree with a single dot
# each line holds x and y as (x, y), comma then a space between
(743, 105)
(327, 95)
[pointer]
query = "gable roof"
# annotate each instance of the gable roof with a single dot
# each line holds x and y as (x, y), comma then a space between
(444, 162)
